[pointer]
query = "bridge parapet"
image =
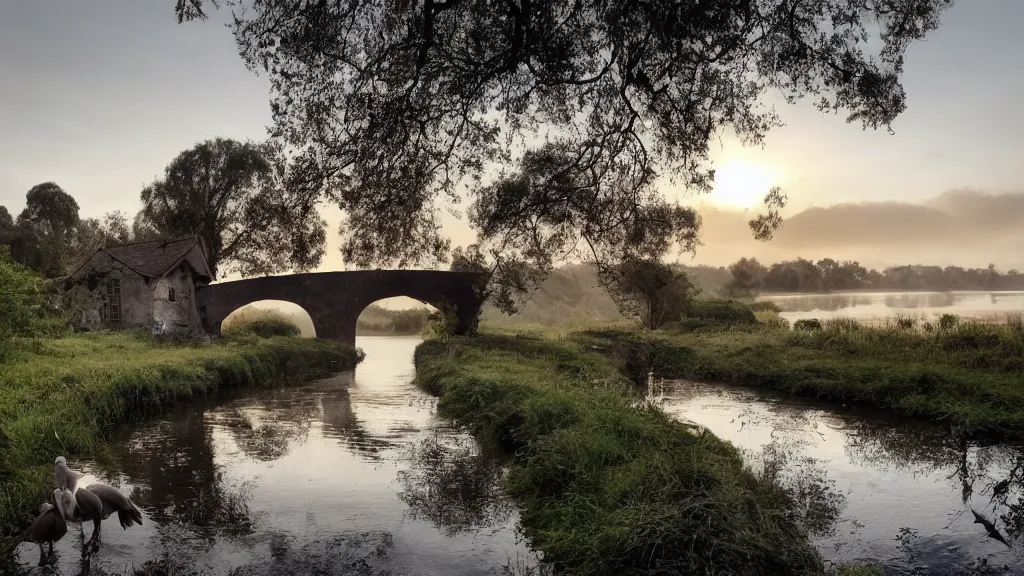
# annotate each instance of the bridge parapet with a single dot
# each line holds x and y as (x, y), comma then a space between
(334, 300)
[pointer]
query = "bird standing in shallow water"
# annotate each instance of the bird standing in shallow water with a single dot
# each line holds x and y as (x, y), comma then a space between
(112, 501)
(80, 507)
(47, 528)
(95, 502)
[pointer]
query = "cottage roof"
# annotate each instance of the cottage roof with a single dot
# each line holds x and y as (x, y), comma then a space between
(155, 258)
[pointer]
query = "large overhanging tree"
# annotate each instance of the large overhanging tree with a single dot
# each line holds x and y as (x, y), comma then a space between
(557, 117)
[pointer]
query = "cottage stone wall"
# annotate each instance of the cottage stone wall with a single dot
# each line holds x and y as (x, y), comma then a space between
(179, 316)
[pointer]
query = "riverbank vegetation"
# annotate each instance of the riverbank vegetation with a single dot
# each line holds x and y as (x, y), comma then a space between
(250, 321)
(964, 373)
(606, 485)
(65, 395)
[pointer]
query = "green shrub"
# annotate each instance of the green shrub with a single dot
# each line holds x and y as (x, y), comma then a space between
(262, 323)
(948, 321)
(807, 324)
(764, 306)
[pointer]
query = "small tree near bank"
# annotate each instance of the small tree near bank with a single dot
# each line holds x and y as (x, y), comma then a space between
(443, 324)
(651, 291)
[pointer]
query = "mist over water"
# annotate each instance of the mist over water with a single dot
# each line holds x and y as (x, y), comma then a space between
(870, 307)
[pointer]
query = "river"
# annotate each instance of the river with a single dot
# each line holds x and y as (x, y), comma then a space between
(872, 487)
(872, 307)
(354, 474)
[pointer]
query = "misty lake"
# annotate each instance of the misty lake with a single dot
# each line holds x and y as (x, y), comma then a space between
(873, 307)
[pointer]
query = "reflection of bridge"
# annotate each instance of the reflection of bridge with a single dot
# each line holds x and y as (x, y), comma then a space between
(335, 299)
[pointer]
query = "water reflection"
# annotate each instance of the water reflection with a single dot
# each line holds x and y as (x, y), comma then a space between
(453, 486)
(867, 307)
(347, 475)
(872, 488)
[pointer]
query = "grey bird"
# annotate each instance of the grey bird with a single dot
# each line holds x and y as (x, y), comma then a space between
(64, 477)
(80, 507)
(47, 528)
(111, 500)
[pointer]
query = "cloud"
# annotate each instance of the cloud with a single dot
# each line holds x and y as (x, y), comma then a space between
(964, 227)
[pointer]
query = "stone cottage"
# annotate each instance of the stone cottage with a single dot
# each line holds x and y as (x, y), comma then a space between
(149, 285)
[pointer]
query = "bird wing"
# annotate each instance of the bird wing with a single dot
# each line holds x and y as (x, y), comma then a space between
(90, 506)
(111, 498)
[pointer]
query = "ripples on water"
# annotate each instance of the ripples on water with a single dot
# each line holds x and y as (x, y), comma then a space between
(870, 487)
(348, 475)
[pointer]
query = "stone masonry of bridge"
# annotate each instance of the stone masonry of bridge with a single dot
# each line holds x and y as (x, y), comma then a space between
(334, 300)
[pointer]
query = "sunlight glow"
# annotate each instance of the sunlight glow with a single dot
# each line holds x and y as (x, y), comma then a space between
(740, 184)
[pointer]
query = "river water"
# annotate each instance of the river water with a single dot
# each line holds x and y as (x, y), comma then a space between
(349, 475)
(872, 307)
(355, 474)
(873, 488)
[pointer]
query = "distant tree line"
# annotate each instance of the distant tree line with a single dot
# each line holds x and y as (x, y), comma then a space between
(748, 277)
(377, 319)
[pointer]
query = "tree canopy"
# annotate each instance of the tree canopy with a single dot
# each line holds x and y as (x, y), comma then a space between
(234, 195)
(551, 113)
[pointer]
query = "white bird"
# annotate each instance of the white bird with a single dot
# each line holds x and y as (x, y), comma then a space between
(95, 503)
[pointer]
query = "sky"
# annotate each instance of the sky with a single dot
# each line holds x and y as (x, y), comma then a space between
(99, 96)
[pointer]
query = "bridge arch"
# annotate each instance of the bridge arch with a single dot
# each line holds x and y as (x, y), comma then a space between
(334, 300)
(297, 314)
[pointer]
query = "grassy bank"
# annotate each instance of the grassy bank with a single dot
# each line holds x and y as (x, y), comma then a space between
(969, 375)
(64, 396)
(606, 486)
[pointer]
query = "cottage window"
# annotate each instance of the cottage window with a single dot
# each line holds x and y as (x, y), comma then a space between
(170, 294)
(112, 302)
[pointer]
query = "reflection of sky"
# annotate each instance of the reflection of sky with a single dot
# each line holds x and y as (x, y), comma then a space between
(864, 306)
(318, 467)
(893, 475)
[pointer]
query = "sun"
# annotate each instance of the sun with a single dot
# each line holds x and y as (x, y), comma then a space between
(740, 184)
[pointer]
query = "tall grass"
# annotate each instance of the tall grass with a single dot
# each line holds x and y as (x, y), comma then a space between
(966, 373)
(64, 396)
(605, 485)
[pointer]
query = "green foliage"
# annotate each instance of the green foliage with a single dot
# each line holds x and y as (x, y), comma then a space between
(64, 396)
(968, 376)
(948, 321)
(442, 324)
(262, 323)
(764, 306)
(22, 301)
(242, 201)
(623, 94)
(748, 277)
(606, 486)
(651, 291)
(377, 320)
(807, 324)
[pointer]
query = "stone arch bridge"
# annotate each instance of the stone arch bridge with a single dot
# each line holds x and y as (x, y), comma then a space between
(334, 300)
